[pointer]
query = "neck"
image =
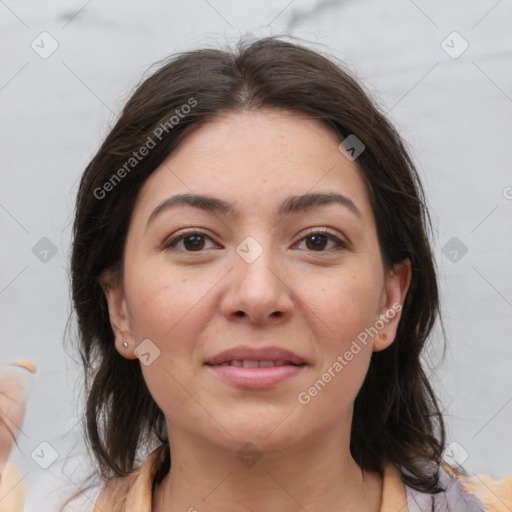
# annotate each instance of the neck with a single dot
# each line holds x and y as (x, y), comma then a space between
(313, 476)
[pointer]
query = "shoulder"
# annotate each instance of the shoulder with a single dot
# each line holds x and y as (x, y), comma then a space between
(477, 493)
(113, 495)
(132, 492)
(495, 495)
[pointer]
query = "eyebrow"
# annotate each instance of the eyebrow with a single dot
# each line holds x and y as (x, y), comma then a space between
(291, 205)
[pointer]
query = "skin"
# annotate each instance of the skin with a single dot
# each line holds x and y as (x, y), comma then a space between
(14, 386)
(187, 302)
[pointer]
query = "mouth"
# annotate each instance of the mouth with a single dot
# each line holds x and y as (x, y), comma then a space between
(248, 357)
(251, 363)
(244, 367)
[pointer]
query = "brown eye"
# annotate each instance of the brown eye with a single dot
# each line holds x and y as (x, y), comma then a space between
(318, 240)
(192, 241)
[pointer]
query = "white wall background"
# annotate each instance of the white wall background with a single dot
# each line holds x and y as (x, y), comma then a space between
(456, 114)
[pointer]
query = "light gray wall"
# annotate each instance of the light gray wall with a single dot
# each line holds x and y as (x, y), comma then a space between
(454, 110)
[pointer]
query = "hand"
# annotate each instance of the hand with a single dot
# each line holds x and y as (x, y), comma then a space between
(15, 382)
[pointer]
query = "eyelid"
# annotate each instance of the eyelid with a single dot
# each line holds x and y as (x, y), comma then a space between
(311, 231)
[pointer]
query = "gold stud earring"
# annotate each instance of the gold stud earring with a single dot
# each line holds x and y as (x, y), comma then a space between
(382, 336)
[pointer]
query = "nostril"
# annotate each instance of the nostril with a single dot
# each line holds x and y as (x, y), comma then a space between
(239, 313)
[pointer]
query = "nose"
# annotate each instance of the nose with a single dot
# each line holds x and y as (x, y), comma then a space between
(258, 290)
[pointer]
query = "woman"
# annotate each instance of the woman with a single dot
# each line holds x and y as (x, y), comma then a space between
(254, 286)
(15, 382)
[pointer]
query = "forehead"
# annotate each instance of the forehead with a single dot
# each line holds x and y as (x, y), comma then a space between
(256, 160)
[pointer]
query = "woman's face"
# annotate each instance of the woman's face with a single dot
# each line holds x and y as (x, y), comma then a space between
(258, 273)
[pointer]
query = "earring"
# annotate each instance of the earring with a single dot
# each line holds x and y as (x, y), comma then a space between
(125, 344)
(382, 336)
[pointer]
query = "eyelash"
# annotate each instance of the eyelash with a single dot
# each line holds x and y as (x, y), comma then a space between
(341, 245)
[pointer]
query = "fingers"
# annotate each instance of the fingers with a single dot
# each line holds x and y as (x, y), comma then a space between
(25, 363)
(12, 490)
(15, 383)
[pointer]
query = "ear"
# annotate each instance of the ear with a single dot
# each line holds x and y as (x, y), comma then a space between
(111, 284)
(395, 289)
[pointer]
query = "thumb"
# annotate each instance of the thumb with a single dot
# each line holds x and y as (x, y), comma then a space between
(15, 381)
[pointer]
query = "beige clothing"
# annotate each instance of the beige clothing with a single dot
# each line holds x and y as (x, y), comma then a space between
(133, 493)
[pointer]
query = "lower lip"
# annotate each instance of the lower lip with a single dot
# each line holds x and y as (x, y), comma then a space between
(256, 378)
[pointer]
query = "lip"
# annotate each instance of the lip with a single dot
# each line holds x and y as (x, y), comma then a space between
(256, 354)
(259, 377)
(256, 378)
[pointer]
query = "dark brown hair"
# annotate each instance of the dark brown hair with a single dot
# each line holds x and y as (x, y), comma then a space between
(396, 416)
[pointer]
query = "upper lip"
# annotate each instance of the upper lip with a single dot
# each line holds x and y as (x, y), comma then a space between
(256, 354)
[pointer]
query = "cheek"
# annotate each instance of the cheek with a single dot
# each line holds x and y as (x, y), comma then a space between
(346, 302)
(171, 309)
(167, 309)
(344, 353)
(163, 303)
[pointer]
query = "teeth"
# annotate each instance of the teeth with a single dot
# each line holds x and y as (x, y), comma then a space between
(251, 363)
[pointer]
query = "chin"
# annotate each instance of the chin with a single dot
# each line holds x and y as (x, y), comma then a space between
(272, 433)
